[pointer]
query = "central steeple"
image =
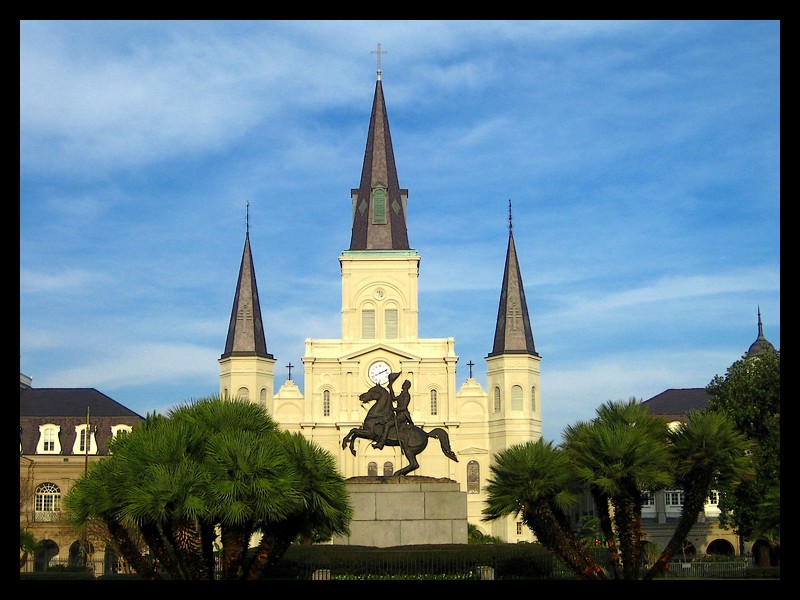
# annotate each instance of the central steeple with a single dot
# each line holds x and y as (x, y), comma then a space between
(379, 204)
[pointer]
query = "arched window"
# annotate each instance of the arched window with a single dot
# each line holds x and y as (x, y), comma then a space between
(516, 397)
(49, 442)
(473, 477)
(388, 469)
(326, 403)
(372, 469)
(533, 399)
(434, 403)
(262, 397)
(368, 323)
(47, 502)
(243, 393)
(497, 405)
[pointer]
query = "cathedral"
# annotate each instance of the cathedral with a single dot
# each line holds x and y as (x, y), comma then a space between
(380, 343)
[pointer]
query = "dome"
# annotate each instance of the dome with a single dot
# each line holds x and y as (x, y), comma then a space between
(761, 344)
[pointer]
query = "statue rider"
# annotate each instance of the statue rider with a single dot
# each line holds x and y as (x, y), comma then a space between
(399, 415)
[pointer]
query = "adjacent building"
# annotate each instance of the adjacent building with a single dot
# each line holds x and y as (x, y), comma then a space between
(62, 431)
(662, 509)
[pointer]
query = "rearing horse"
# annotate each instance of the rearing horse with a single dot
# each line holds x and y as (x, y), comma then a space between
(411, 439)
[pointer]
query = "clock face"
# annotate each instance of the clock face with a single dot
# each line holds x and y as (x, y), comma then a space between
(379, 372)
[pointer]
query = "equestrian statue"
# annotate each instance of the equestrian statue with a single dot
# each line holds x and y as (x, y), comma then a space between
(390, 425)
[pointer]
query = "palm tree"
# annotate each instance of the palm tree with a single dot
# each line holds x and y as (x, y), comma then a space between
(210, 465)
(324, 509)
(535, 480)
(708, 451)
(95, 498)
(622, 452)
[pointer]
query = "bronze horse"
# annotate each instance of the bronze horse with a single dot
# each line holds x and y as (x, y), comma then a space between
(411, 439)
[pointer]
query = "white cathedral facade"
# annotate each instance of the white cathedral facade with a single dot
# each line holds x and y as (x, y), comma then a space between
(379, 335)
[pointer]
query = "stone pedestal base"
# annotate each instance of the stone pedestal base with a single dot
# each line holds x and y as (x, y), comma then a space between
(405, 510)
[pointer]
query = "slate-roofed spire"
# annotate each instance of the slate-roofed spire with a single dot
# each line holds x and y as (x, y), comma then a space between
(246, 329)
(761, 344)
(379, 204)
(513, 334)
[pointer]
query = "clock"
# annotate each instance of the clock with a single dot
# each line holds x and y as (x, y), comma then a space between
(379, 372)
(379, 294)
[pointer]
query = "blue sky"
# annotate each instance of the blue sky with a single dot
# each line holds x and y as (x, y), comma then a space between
(642, 160)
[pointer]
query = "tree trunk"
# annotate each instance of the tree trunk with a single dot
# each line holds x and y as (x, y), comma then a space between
(129, 550)
(601, 504)
(694, 500)
(562, 542)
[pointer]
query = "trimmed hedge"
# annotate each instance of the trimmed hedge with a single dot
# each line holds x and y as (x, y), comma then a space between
(523, 561)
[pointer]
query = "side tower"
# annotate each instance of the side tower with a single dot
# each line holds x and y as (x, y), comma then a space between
(514, 407)
(246, 368)
(515, 412)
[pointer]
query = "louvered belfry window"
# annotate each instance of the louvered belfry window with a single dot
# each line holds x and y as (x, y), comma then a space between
(368, 323)
(379, 206)
(391, 323)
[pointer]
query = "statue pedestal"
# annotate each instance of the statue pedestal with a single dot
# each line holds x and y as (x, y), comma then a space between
(405, 510)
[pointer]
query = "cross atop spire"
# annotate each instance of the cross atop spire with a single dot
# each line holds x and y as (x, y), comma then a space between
(379, 52)
(247, 218)
(510, 225)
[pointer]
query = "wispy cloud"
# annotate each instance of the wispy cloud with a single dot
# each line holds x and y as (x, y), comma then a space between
(642, 159)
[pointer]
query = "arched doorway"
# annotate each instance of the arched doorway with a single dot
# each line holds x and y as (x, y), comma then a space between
(78, 555)
(721, 548)
(686, 553)
(111, 563)
(46, 550)
(650, 553)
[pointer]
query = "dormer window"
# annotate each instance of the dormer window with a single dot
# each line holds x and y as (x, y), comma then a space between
(49, 443)
(80, 446)
(120, 429)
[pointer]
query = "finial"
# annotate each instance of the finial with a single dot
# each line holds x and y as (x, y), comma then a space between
(378, 52)
(510, 225)
(247, 219)
(760, 328)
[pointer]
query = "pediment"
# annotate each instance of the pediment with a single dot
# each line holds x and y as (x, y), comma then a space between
(385, 349)
(472, 450)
